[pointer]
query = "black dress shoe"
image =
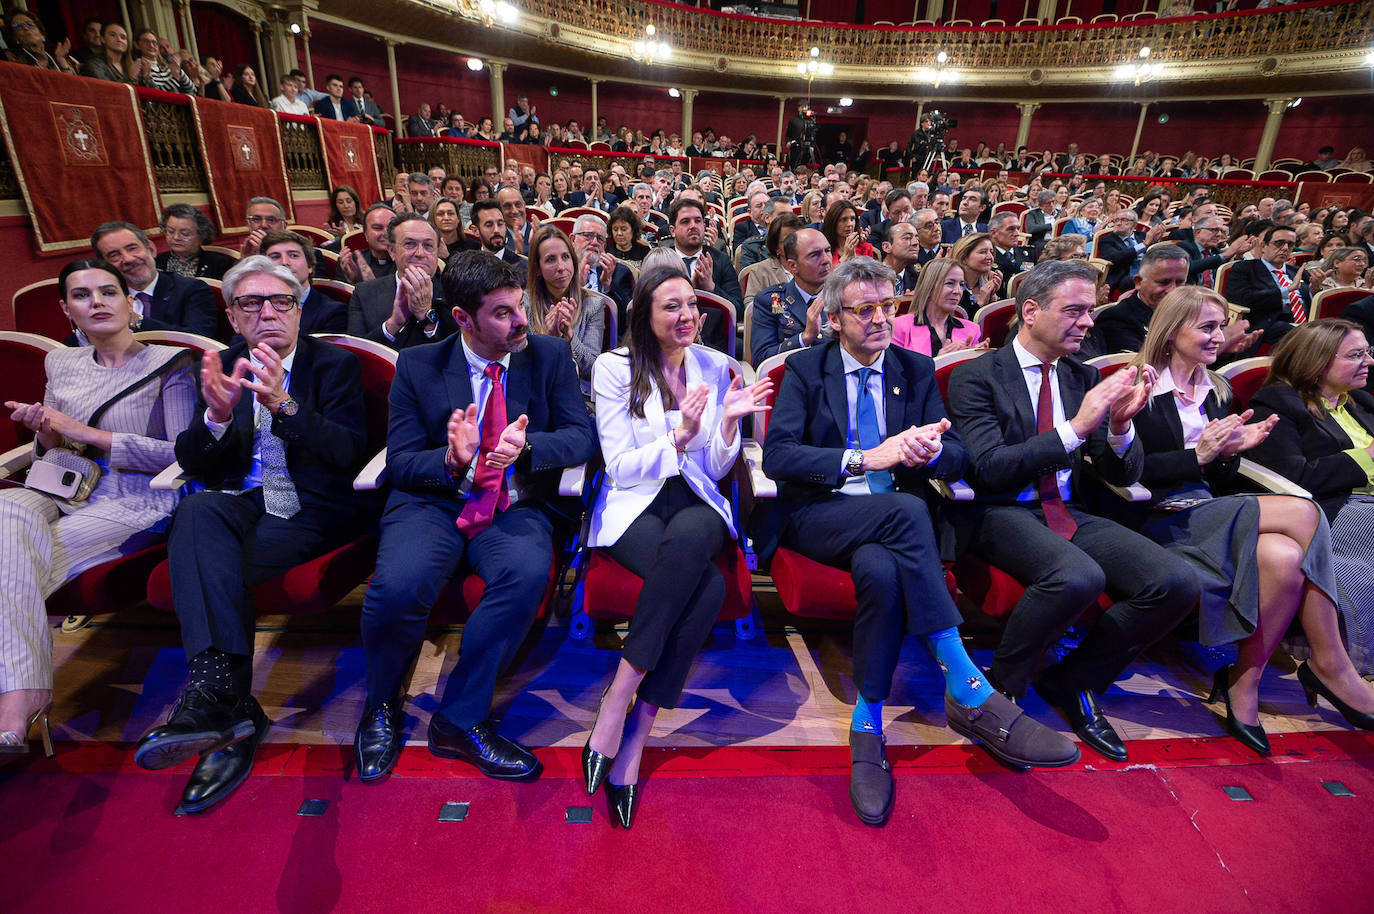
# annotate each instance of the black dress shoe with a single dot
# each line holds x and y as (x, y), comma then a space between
(493, 754)
(871, 788)
(219, 773)
(1250, 735)
(377, 744)
(202, 720)
(622, 800)
(1085, 718)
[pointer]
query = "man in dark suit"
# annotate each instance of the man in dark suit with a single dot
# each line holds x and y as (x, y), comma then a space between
(320, 313)
(709, 271)
(1208, 249)
(1011, 258)
(1122, 327)
(856, 434)
(966, 222)
(790, 316)
(1040, 221)
(1268, 285)
(372, 261)
(404, 308)
(1030, 414)
(756, 226)
(420, 124)
(602, 272)
(927, 223)
(1123, 247)
(592, 193)
(334, 106)
(1362, 313)
(163, 301)
(755, 249)
(482, 425)
(900, 248)
(277, 436)
(492, 234)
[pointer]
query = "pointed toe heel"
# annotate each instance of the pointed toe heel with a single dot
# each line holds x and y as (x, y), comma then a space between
(1313, 686)
(622, 801)
(1250, 735)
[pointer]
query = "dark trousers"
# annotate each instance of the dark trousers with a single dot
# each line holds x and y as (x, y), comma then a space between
(221, 546)
(421, 550)
(1153, 589)
(671, 545)
(887, 544)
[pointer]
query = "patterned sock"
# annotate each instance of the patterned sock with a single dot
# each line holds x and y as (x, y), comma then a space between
(868, 716)
(223, 671)
(964, 681)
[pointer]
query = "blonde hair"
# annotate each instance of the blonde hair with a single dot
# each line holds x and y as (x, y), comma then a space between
(928, 285)
(1175, 311)
(966, 246)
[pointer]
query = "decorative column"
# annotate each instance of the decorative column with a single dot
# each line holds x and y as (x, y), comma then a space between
(188, 29)
(1276, 106)
(1023, 129)
(498, 93)
(935, 9)
(124, 18)
(283, 52)
(591, 128)
(1139, 129)
(395, 86)
(688, 96)
(1046, 11)
(262, 59)
(782, 121)
(305, 44)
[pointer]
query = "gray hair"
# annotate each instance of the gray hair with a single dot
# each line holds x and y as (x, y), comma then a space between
(281, 211)
(419, 177)
(587, 219)
(1045, 196)
(662, 257)
(1001, 218)
(856, 270)
(641, 185)
(204, 228)
(402, 218)
(109, 228)
(1163, 252)
(918, 185)
(1209, 222)
(258, 265)
(921, 212)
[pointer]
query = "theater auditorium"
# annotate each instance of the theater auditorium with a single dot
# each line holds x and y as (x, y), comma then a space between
(703, 456)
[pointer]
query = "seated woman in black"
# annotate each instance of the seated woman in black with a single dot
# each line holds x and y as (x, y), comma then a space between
(1261, 559)
(668, 416)
(1325, 443)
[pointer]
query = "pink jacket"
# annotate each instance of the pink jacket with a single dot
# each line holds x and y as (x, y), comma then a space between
(908, 335)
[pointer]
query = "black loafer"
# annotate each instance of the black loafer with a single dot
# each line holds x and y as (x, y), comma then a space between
(203, 720)
(219, 773)
(377, 743)
(493, 754)
(1086, 719)
(871, 787)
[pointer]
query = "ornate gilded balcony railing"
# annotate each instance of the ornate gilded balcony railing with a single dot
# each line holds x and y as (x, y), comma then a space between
(1325, 31)
(175, 149)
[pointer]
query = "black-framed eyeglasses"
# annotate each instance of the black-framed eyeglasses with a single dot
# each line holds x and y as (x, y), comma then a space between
(1288, 243)
(252, 304)
(868, 310)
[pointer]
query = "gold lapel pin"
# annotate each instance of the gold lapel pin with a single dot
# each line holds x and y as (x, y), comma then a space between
(896, 391)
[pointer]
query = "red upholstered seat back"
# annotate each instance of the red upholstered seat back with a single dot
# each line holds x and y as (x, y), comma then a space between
(37, 310)
(23, 380)
(379, 370)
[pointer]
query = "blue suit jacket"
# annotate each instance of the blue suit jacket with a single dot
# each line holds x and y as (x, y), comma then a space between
(321, 313)
(432, 381)
(950, 229)
(325, 108)
(808, 428)
(325, 440)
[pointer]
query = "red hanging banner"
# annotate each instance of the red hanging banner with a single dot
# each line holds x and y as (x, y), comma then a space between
(242, 150)
(80, 153)
(350, 157)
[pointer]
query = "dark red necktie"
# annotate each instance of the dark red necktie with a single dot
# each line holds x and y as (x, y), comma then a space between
(488, 494)
(1290, 291)
(1056, 515)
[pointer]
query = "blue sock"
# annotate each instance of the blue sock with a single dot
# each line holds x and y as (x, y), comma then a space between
(965, 682)
(868, 716)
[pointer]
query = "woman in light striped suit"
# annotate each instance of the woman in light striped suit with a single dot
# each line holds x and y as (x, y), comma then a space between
(46, 541)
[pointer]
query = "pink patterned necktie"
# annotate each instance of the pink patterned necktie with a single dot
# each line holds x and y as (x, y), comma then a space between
(488, 494)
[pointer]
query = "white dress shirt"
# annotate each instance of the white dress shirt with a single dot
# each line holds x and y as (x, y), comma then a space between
(1193, 416)
(254, 478)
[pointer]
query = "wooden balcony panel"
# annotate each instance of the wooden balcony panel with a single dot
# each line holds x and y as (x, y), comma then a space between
(304, 157)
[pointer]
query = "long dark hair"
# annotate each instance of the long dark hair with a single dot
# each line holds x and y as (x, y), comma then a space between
(646, 368)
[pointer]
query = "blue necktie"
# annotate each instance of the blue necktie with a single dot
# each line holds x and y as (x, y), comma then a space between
(866, 420)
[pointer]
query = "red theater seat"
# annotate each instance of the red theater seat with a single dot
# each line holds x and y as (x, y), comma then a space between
(36, 310)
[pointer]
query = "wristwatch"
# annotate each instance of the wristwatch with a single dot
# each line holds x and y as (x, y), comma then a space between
(854, 461)
(288, 407)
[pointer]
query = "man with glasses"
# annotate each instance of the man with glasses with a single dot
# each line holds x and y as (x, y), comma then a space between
(1122, 247)
(856, 434)
(598, 269)
(1208, 248)
(404, 308)
(1031, 414)
(927, 223)
(1269, 286)
(277, 437)
(264, 215)
(161, 300)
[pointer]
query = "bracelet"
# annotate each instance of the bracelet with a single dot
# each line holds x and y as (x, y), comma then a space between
(672, 438)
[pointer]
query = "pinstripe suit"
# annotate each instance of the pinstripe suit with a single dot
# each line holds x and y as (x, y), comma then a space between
(45, 542)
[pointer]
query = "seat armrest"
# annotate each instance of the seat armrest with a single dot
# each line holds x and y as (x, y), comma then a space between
(762, 486)
(1134, 492)
(572, 481)
(170, 479)
(1271, 481)
(954, 490)
(371, 475)
(15, 459)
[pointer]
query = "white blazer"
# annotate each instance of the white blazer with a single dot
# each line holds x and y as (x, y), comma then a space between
(640, 457)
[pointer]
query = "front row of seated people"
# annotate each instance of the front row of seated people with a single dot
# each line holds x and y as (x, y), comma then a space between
(483, 422)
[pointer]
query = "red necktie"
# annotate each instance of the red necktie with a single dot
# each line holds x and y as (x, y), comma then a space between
(1294, 299)
(1056, 515)
(488, 494)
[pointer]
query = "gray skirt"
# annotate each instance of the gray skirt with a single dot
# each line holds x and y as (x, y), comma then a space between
(1352, 537)
(1219, 538)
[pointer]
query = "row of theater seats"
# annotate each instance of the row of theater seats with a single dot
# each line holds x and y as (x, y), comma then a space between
(603, 589)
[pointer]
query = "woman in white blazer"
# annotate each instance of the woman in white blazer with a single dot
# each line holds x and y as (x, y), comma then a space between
(668, 415)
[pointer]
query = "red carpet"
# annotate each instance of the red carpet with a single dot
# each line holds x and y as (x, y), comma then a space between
(734, 829)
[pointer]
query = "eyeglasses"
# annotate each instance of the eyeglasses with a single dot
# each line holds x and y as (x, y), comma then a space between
(868, 310)
(1282, 244)
(590, 236)
(265, 220)
(1359, 355)
(252, 304)
(180, 234)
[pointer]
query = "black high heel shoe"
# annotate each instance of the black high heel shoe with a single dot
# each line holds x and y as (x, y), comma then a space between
(1252, 736)
(622, 801)
(596, 766)
(1313, 686)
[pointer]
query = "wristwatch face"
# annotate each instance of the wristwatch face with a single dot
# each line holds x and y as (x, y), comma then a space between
(289, 407)
(856, 462)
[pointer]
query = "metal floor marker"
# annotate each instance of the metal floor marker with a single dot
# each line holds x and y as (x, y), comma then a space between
(453, 812)
(1337, 789)
(313, 808)
(1238, 793)
(578, 814)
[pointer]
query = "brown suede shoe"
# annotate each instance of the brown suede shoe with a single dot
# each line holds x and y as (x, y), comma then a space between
(1009, 735)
